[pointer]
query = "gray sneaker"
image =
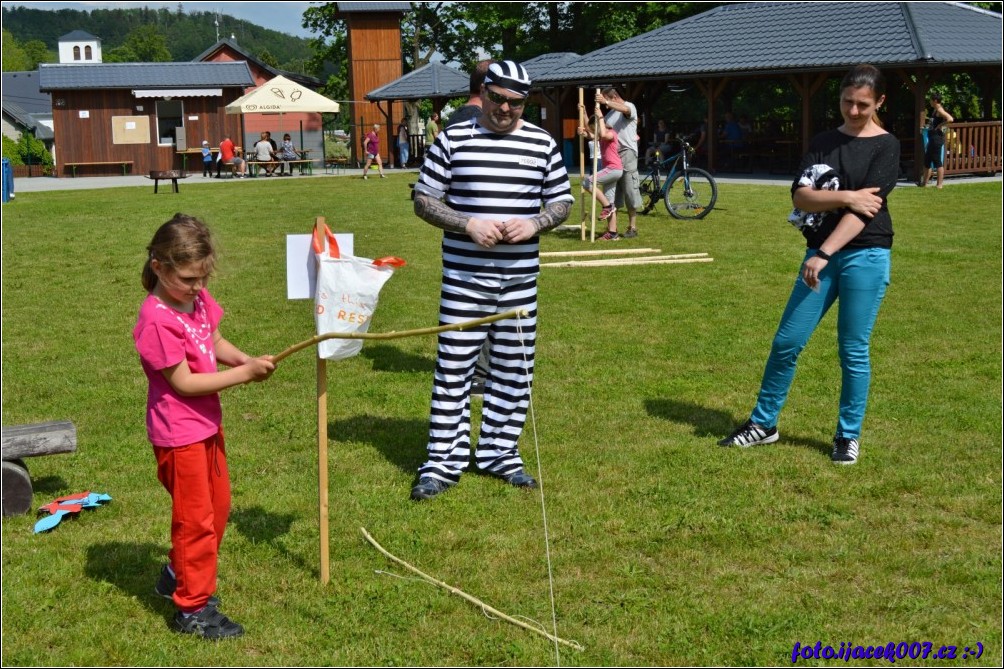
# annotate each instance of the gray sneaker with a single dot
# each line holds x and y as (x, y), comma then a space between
(208, 623)
(428, 487)
(631, 232)
(518, 478)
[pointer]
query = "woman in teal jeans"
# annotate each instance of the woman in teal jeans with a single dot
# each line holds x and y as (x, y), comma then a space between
(847, 259)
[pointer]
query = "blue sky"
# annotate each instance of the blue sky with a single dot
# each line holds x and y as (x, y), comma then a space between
(281, 16)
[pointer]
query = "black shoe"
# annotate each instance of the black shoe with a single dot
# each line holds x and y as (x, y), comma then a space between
(208, 623)
(519, 478)
(845, 450)
(750, 434)
(428, 487)
(167, 584)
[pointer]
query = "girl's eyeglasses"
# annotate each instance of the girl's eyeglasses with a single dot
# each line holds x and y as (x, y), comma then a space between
(499, 99)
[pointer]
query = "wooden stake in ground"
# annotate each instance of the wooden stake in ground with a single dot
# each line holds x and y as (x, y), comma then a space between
(596, 159)
(582, 161)
(322, 463)
(464, 595)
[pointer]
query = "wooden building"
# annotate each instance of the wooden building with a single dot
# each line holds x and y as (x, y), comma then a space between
(375, 58)
(803, 48)
(305, 128)
(137, 117)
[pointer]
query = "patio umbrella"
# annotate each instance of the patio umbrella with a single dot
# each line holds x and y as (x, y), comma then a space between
(281, 96)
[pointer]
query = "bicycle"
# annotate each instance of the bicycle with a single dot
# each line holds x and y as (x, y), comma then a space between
(688, 192)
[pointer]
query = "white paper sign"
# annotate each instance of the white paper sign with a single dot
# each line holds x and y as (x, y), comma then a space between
(301, 267)
(84, 113)
(193, 118)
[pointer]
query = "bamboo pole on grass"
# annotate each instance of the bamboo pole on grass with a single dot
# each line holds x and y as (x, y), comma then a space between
(582, 162)
(595, 165)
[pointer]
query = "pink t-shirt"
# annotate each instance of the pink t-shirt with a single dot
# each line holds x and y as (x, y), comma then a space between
(609, 153)
(164, 337)
(372, 143)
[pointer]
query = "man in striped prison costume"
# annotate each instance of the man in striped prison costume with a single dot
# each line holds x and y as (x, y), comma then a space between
(493, 184)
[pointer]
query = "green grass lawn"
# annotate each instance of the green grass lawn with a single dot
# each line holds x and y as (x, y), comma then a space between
(666, 549)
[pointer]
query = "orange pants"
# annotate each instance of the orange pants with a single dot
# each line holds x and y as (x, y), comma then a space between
(197, 479)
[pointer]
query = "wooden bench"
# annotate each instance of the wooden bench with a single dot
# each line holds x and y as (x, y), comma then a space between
(173, 175)
(306, 165)
(229, 168)
(126, 165)
(24, 441)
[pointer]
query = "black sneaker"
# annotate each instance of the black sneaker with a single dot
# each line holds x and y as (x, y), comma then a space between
(750, 434)
(519, 478)
(845, 450)
(428, 487)
(167, 584)
(208, 623)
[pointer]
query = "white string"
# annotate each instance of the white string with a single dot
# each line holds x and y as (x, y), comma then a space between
(540, 483)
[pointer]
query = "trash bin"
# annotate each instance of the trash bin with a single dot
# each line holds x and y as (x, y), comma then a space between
(8, 181)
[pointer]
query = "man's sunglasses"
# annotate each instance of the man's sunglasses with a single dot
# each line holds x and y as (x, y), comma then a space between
(499, 99)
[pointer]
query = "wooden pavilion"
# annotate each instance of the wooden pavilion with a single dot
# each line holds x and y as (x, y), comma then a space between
(802, 46)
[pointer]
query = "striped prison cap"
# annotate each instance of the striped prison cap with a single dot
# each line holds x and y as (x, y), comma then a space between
(509, 75)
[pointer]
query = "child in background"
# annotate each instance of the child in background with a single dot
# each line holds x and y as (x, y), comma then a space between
(606, 179)
(179, 343)
(207, 159)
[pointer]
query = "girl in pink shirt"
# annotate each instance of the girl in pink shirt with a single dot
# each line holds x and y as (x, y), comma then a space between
(607, 178)
(179, 343)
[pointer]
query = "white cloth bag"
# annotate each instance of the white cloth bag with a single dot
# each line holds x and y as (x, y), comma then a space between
(347, 291)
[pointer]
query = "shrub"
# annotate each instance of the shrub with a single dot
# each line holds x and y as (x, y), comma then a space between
(11, 151)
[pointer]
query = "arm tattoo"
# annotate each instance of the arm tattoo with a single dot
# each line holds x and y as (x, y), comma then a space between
(437, 213)
(554, 214)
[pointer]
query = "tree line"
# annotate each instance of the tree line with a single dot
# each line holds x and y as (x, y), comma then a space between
(30, 36)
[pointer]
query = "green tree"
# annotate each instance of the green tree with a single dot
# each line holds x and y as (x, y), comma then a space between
(266, 57)
(37, 53)
(149, 44)
(15, 59)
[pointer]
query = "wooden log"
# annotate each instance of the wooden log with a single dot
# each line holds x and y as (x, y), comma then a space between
(26, 441)
(16, 488)
(628, 262)
(607, 252)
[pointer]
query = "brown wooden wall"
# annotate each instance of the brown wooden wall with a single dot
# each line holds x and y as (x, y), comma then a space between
(374, 41)
(90, 139)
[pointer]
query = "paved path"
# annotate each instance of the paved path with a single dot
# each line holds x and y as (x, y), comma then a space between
(39, 184)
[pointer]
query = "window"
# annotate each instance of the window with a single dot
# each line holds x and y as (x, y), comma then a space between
(76, 53)
(170, 117)
(87, 53)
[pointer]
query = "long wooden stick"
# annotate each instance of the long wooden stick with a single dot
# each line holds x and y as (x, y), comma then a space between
(595, 166)
(322, 463)
(464, 595)
(582, 161)
(606, 252)
(627, 261)
(317, 339)
(633, 261)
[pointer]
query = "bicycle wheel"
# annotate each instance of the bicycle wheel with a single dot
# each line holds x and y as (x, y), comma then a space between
(691, 195)
(650, 189)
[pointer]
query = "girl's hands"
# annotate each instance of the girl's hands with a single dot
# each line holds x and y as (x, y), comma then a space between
(865, 201)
